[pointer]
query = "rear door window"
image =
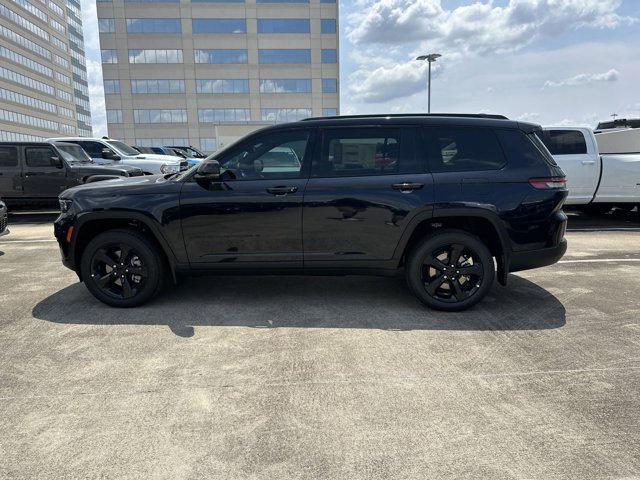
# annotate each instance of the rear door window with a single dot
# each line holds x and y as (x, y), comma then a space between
(8, 157)
(348, 152)
(39, 157)
(565, 142)
(463, 149)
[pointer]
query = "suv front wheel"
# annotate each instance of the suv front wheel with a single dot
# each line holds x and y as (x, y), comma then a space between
(451, 270)
(122, 268)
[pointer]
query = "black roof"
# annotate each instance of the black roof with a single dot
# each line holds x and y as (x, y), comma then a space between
(412, 119)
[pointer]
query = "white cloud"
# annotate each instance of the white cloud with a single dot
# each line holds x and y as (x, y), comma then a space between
(386, 83)
(529, 117)
(476, 28)
(585, 78)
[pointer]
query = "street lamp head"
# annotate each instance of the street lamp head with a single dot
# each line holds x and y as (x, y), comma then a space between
(431, 57)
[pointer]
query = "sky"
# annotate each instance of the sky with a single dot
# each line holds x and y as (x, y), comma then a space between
(553, 62)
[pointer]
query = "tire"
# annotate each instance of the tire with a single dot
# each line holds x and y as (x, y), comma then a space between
(456, 291)
(135, 280)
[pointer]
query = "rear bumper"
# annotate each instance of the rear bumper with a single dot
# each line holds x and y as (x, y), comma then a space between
(537, 258)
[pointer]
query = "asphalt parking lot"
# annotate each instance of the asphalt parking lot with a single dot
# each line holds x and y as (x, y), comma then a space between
(332, 378)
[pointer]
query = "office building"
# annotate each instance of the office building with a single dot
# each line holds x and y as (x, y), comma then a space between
(204, 73)
(43, 76)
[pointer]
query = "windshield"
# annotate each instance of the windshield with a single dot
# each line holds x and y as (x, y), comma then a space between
(193, 152)
(73, 153)
(123, 148)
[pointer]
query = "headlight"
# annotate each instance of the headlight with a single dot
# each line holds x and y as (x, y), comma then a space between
(65, 204)
(166, 168)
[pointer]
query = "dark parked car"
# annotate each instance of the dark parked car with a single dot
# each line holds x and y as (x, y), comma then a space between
(4, 219)
(37, 172)
(446, 199)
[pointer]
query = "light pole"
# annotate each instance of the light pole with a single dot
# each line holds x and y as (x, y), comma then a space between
(430, 57)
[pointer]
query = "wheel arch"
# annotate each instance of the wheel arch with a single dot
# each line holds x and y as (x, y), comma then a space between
(88, 226)
(485, 225)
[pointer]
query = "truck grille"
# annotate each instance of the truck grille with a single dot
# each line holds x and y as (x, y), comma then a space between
(3, 219)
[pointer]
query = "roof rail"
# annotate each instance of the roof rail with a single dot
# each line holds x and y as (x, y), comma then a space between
(400, 115)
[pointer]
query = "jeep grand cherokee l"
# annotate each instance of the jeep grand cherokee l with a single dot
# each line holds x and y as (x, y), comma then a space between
(450, 200)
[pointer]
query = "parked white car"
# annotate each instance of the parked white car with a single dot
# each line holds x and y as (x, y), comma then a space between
(599, 180)
(105, 151)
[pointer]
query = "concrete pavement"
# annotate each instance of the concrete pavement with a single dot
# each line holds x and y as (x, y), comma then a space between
(319, 377)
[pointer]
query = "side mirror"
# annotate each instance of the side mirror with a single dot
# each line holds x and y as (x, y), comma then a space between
(107, 154)
(208, 171)
(56, 162)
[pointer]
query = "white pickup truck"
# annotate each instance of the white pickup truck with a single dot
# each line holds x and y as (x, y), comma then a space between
(596, 181)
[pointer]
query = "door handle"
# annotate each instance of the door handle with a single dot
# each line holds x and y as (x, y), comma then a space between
(281, 190)
(588, 162)
(407, 186)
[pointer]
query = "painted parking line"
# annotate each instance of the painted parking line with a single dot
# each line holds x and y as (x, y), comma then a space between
(43, 240)
(601, 260)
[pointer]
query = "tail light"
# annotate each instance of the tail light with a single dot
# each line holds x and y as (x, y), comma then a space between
(551, 183)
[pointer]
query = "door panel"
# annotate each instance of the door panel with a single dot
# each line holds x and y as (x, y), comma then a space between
(254, 212)
(41, 178)
(366, 184)
(10, 172)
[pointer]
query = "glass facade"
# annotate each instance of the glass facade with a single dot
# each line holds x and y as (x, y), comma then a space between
(301, 85)
(154, 56)
(219, 25)
(160, 116)
(222, 86)
(153, 25)
(289, 25)
(223, 115)
(281, 115)
(221, 56)
(157, 86)
(284, 55)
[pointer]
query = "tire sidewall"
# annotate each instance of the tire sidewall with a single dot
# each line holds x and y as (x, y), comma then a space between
(428, 245)
(150, 258)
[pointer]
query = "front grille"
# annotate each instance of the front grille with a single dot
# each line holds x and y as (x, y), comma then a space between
(3, 220)
(184, 165)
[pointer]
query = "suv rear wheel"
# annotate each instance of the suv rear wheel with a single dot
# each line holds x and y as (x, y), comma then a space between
(122, 268)
(451, 270)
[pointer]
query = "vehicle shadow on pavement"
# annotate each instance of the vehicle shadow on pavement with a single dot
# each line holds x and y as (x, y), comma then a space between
(308, 302)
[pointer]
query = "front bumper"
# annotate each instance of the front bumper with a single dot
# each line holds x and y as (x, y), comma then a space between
(60, 228)
(537, 258)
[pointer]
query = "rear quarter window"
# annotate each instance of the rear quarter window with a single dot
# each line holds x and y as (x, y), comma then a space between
(521, 150)
(463, 149)
(565, 142)
(8, 157)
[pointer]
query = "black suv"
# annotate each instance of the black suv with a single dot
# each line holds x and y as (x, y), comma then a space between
(37, 172)
(448, 199)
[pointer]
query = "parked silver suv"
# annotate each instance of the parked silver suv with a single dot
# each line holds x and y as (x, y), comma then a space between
(106, 151)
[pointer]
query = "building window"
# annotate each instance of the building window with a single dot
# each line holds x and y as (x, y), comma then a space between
(219, 25)
(329, 112)
(15, 97)
(62, 78)
(160, 142)
(160, 116)
(153, 25)
(297, 85)
(328, 25)
(155, 56)
(224, 115)
(222, 86)
(23, 22)
(329, 55)
(284, 55)
(106, 25)
(157, 86)
(280, 115)
(29, 120)
(329, 85)
(282, 1)
(26, 81)
(327, 1)
(109, 56)
(25, 42)
(221, 56)
(112, 86)
(25, 61)
(114, 116)
(291, 25)
(208, 145)
(217, 1)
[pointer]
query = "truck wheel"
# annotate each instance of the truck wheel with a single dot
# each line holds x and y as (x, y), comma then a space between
(451, 270)
(122, 268)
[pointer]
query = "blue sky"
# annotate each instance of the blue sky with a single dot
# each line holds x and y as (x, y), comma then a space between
(546, 61)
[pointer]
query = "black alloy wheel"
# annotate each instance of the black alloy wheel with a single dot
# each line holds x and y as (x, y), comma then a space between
(451, 270)
(118, 271)
(122, 268)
